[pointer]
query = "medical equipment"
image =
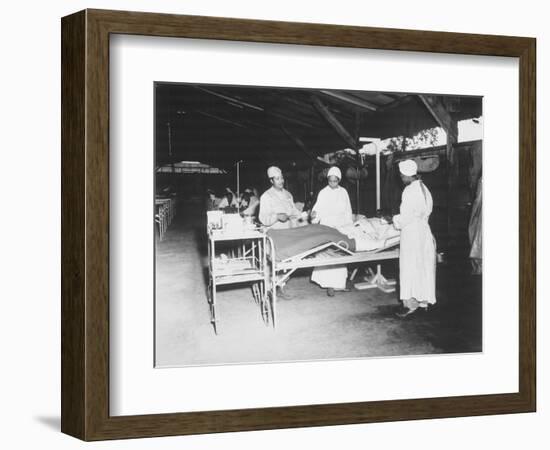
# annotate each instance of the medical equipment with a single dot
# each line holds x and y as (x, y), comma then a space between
(245, 263)
(335, 250)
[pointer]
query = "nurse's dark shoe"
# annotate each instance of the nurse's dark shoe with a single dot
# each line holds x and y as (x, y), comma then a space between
(330, 292)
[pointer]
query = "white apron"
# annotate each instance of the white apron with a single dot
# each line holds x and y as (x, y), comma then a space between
(333, 209)
(417, 257)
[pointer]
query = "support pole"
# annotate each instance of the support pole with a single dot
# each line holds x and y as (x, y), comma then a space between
(358, 163)
(377, 177)
(357, 195)
(443, 118)
(377, 280)
(238, 185)
(452, 181)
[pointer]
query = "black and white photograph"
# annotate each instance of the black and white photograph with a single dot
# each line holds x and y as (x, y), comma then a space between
(243, 225)
(302, 224)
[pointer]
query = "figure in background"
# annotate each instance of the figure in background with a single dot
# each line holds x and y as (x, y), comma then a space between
(417, 255)
(253, 192)
(234, 202)
(227, 201)
(212, 201)
(277, 209)
(249, 203)
(474, 232)
(333, 208)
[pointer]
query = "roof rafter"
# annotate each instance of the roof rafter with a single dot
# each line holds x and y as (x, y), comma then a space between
(230, 99)
(221, 119)
(351, 100)
(332, 120)
(299, 143)
(440, 114)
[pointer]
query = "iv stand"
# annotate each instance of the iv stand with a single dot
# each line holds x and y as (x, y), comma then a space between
(377, 280)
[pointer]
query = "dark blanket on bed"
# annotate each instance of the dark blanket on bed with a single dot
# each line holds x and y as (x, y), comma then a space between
(294, 241)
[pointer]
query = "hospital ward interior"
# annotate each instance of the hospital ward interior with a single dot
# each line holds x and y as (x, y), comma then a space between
(298, 224)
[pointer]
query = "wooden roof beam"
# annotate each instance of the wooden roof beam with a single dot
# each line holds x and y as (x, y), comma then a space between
(290, 119)
(299, 143)
(221, 119)
(441, 115)
(351, 100)
(230, 99)
(398, 102)
(332, 120)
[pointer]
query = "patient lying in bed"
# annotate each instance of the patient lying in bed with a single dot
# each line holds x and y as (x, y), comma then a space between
(363, 235)
(371, 234)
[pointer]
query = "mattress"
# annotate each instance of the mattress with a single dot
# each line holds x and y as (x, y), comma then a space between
(294, 241)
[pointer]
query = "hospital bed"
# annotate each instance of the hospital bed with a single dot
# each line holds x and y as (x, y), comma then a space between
(318, 246)
(165, 211)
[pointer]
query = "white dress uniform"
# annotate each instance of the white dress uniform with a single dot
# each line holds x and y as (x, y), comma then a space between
(333, 209)
(273, 202)
(417, 258)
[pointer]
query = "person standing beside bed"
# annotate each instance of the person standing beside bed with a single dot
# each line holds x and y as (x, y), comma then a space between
(333, 209)
(417, 256)
(277, 209)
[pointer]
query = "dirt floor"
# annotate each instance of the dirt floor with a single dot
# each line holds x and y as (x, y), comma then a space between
(310, 325)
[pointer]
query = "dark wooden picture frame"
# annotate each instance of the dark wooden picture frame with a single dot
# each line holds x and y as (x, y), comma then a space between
(85, 224)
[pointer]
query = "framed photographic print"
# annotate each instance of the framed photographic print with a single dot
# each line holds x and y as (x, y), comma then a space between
(270, 224)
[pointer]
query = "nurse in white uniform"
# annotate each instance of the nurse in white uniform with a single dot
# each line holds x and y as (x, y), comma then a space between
(417, 257)
(333, 209)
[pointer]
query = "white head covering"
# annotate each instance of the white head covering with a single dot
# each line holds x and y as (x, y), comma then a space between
(334, 172)
(408, 167)
(274, 171)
